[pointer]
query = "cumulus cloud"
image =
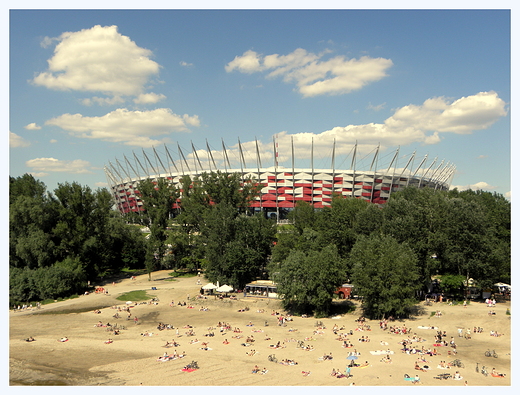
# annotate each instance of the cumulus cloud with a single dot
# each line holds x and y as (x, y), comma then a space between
(102, 101)
(461, 116)
(482, 185)
(424, 124)
(42, 166)
(311, 73)
(16, 141)
(149, 98)
(135, 128)
(99, 59)
(32, 126)
(185, 64)
(379, 107)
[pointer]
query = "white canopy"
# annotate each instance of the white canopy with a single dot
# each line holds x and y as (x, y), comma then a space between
(224, 288)
(503, 285)
(209, 286)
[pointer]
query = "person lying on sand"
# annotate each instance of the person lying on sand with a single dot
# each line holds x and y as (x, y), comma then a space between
(30, 339)
(494, 373)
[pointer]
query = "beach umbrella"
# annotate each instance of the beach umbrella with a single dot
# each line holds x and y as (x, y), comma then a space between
(352, 358)
(224, 288)
(209, 286)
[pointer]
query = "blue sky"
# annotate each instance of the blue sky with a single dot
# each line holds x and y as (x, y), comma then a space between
(90, 86)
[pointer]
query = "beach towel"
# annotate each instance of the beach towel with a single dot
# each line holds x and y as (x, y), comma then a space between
(188, 370)
(427, 327)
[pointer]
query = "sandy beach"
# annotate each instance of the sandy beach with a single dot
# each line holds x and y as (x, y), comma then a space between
(227, 359)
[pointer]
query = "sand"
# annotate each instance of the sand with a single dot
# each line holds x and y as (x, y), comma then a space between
(131, 360)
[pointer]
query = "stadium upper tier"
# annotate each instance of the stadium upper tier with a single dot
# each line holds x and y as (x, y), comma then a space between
(282, 186)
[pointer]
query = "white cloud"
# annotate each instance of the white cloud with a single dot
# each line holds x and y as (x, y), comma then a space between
(46, 165)
(16, 141)
(136, 128)
(379, 107)
(53, 141)
(101, 184)
(98, 59)
(508, 195)
(185, 64)
(423, 124)
(103, 101)
(414, 124)
(461, 116)
(482, 156)
(38, 174)
(312, 75)
(149, 98)
(477, 186)
(32, 126)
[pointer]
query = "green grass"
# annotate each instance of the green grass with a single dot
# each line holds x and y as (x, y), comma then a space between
(135, 296)
(48, 301)
(180, 274)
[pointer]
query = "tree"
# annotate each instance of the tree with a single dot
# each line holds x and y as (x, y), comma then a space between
(338, 222)
(158, 198)
(236, 246)
(307, 280)
(414, 216)
(303, 216)
(385, 274)
(229, 188)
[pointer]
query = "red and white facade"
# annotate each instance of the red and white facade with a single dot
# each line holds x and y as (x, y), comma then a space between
(282, 186)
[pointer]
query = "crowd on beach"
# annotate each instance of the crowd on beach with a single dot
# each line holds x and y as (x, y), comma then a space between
(409, 342)
(421, 345)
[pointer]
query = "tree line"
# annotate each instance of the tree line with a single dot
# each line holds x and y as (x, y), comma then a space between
(391, 253)
(59, 241)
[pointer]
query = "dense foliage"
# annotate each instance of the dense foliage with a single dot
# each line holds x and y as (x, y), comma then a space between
(451, 235)
(58, 242)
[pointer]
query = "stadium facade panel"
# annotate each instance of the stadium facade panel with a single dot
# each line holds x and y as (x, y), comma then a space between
(282, 186)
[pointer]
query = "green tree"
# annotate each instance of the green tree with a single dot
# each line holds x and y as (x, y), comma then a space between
(229, 188)
(338, 223)
(236, 246)
(303, 216)
(415, 216)
(158, 198)
(385, 273)
(307, 280)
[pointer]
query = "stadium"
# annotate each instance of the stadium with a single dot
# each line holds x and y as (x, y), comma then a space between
(294, 172)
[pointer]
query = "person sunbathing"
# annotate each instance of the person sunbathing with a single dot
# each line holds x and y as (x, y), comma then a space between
(30, 339)
(457, 376)
(225, 341)
(63, 339)
(494, 373)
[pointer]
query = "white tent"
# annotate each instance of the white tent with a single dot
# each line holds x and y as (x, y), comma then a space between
(502, 285)
(224, 288)
(209, 286)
